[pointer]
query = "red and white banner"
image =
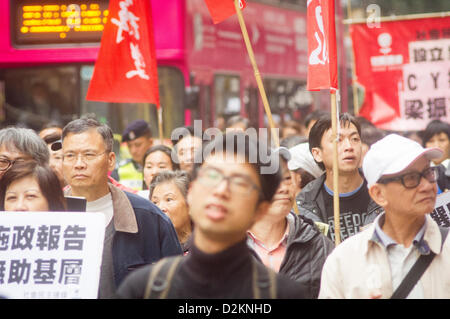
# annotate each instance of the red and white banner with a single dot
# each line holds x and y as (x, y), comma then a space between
(403, 68)
(322, 52)
(222, 9)
(126, 68)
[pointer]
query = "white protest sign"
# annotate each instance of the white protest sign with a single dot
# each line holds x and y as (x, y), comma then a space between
(50, 255)
(441, 212)
(425, 95)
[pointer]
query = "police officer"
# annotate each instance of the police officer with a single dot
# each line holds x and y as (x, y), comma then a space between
(138, 137)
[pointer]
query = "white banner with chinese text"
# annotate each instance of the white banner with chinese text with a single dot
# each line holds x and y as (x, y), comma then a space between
(50, 255)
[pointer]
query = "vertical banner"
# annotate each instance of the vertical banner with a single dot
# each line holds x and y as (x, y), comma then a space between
(220, 10)
(126, 67)
(50, 255)
(403, 67)
(322, 51)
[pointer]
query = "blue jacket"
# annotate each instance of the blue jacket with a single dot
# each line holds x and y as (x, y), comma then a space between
(143, 234)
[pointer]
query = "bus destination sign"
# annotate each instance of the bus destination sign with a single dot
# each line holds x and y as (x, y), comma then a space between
(58, 22)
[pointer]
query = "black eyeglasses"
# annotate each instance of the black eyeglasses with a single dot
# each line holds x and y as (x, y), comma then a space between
(412, 180)
(211, 177)
(6, 163)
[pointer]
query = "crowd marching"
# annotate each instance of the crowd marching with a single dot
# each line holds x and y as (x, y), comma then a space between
(231, 215)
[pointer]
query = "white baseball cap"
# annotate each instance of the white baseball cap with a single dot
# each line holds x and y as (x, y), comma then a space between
(301, 157)
(391, 155)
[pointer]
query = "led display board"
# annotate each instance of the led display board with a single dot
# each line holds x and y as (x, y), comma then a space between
(57, 22)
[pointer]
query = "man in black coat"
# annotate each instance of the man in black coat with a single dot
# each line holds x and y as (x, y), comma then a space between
(231, 190)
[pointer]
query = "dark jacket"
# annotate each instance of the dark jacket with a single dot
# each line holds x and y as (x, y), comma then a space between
(306, 251)
(143, 234)
(310, 203)
(224, 275)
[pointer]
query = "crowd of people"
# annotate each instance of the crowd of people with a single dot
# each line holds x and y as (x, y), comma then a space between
(202, 218)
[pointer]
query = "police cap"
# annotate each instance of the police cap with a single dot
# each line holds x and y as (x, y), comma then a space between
(135, 129)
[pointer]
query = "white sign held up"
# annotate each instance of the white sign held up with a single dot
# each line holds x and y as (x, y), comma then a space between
(50, 255)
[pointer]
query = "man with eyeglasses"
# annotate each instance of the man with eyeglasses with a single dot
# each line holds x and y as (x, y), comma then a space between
(137, 232)
(228, 194)
(21, 144)
(375, 262)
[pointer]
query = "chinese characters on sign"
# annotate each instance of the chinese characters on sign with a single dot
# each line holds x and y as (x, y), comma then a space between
(441, 212)
(128, 23)
(426, 79)
(50, 255)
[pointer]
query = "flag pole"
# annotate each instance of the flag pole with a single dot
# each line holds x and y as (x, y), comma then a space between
(354, 79)
(334, 124)
(160, 125)
(257, 74)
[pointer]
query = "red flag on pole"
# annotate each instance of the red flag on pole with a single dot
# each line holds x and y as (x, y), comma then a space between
(126, 69)
(322, 52)
(222, 9)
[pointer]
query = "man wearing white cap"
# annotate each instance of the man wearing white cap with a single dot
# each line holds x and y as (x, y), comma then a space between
(403, 253)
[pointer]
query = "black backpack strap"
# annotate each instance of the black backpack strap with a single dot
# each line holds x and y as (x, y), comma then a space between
(160, 278)
(264, 282)
(417, 271)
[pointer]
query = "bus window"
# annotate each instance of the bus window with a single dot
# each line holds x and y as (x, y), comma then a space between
(227, 95)
(288, 99)
(35, 96)
(119, 115)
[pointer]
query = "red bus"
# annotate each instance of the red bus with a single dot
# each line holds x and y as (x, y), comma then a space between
(47, 58)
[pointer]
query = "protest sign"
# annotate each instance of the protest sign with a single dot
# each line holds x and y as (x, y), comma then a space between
(441, 212)
(402, 67)
(50, 255)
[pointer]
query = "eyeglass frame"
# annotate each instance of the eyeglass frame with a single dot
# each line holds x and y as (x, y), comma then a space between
(229, 179)
(83, 157)
(420, 174)
(11, 163)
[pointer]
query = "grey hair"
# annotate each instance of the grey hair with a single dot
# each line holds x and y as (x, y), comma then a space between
(84, 124)
(26, 141)
(180, 178)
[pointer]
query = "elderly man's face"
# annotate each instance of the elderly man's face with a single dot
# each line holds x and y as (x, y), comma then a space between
(86, 162)
(413, 202)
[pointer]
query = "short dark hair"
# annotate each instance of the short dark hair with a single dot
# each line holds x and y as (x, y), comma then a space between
(324, 124)
(252, 148)
(47, 180)
(166, 150)
(433, 128)
(86, 123)
(314, 116)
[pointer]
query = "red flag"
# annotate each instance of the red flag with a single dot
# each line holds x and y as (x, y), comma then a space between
(126, 69)
(222, 9)
(322, 53)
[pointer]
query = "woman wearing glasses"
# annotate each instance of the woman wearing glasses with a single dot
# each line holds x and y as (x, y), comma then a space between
(29, 186)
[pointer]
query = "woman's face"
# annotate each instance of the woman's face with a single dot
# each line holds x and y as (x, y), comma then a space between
(154, 163)
(25, 195)
(170, 200)
(442, 142)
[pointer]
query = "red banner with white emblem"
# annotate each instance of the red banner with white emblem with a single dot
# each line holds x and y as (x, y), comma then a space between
(322, 52)
(126, 68)
(402, 69)
(222, 9)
